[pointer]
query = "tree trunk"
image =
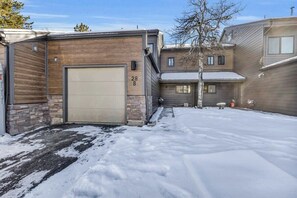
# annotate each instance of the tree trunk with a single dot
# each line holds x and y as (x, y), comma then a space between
(200, 83)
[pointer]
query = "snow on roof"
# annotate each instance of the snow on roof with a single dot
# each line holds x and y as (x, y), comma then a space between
(207, 76)
(288, 60)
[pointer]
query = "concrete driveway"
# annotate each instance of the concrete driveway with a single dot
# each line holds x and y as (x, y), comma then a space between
(27, 160)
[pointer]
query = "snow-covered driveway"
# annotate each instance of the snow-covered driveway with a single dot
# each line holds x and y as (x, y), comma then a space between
(198, 153)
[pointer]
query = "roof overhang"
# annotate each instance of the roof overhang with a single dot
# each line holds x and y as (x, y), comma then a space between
(279, 63)
(182, 77)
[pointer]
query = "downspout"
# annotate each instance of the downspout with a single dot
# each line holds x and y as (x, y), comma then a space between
(144, 46)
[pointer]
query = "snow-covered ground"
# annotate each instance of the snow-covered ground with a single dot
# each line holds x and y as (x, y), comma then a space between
(198, 153)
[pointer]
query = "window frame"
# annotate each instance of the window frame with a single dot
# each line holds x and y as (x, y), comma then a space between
(280, 45)
(188, 89)
(224, 60)
(210, 62)
(206, 89)
(173, 61)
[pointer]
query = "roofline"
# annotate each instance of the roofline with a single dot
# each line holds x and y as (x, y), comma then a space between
(263, 20)
(279, 63)
(81, 35)
(256, 22)
(230, 46)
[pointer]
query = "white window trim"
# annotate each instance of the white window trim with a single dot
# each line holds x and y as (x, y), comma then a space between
(280, 45)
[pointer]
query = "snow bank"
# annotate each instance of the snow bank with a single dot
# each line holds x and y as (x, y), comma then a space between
(207, 152)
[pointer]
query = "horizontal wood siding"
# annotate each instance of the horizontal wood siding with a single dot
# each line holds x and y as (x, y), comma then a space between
(225, 92)
(29, 73)
(97, 51)
(276, 91)
(173, 99)
(181, 65)
(247, 55)
(278, 32)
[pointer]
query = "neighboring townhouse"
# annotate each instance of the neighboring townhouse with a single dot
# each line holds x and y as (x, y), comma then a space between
(100, 77)
(179, 78)
(266, 54)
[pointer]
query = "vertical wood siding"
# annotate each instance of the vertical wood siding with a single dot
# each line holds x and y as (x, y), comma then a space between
(152, 87)
(97, 51)
(29, 73)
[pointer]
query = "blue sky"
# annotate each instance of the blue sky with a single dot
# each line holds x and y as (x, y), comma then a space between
(108, 15)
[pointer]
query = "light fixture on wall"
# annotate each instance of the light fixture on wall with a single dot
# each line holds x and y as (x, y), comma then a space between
(56, 59)
(133, 65)
(261, 75)
(34, 48)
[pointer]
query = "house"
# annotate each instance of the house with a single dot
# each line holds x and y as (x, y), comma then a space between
(100, 77)
(118, 77)
(266, 54)
(179, 78)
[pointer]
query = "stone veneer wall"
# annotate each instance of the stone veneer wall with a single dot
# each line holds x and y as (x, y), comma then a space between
(55, 103)
(136, 109)
(27, 117)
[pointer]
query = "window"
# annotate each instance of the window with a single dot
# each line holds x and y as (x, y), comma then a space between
(287, 45)
(151, 47)
(281, 45)
(210, 60)
(170, 62)
(209, 89)
(183, 89)
(221, 60)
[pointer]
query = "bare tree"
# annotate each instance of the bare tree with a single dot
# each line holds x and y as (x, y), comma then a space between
(200, 26)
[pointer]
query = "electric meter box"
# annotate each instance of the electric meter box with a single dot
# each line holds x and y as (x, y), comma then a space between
(2, 102)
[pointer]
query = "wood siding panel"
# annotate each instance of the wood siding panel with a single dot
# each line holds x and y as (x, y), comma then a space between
(29, 73)
(278, 32)
(181, 65)
(173, 99)
(276, 91)
(98, 51)
(225, 92)
(247, 55)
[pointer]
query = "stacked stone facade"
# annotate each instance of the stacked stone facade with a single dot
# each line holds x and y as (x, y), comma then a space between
(21, 118)
(136, 110)
(55, 103)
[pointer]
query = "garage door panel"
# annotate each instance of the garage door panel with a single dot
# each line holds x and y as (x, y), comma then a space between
(93, 115)
(98, 102)
(96, 88)
(96, 95)
(88, 74)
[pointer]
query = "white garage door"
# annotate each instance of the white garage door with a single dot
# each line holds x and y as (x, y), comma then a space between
(96, 95)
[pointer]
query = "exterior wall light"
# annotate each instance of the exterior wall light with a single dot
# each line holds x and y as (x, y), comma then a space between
(34, 48)
(133, 65)
(56, 59)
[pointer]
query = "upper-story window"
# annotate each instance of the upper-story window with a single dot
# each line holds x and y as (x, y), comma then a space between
(281, 45)
(170, 62)
(221, 60)
(210, 60)
(151, 47)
